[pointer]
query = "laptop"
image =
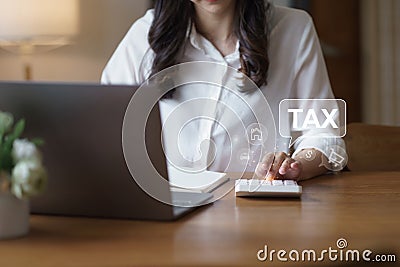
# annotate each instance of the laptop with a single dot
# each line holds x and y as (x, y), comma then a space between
(88, 175)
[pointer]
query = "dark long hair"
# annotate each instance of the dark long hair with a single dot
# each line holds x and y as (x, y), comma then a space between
(168, 33)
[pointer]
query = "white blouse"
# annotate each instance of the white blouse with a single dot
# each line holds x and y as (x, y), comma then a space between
(297, 71)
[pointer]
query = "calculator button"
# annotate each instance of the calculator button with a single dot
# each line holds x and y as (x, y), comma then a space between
(290, 182)
(277, 182)
(243, 182)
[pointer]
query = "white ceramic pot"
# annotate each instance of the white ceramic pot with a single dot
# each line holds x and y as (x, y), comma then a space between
(14, 216)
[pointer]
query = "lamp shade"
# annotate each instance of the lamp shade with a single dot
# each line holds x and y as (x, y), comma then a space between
(30, 20)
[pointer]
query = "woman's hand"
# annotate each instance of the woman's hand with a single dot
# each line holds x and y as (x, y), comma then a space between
(279, 166)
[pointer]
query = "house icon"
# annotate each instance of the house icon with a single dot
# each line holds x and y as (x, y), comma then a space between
(256, 134)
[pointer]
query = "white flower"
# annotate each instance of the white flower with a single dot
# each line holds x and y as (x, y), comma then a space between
(6, 121)
(25, 150)
(28, 179)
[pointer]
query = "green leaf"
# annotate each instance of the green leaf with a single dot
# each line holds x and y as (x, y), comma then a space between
(7, 146)
(19, 129)
(1, 151)
(6, 161)
(38, 141)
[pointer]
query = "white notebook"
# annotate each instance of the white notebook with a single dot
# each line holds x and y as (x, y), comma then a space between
(203, 182)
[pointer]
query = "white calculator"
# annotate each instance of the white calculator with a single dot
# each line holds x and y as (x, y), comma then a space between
(264, 188)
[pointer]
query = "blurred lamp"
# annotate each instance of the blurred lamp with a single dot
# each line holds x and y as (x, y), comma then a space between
(31, 26)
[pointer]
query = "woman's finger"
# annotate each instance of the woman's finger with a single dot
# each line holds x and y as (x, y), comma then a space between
(294, 171)
(278, 160)
(286, 165)
(264, 166)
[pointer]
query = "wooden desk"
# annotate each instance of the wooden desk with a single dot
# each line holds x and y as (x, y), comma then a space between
(361, 207)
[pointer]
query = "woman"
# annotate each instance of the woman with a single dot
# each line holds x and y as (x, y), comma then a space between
(276, 47)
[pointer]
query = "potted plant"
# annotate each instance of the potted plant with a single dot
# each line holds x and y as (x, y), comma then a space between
(22, 176)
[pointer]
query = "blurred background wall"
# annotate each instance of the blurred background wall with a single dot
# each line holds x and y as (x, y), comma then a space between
(102, 24)
(360, 39)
